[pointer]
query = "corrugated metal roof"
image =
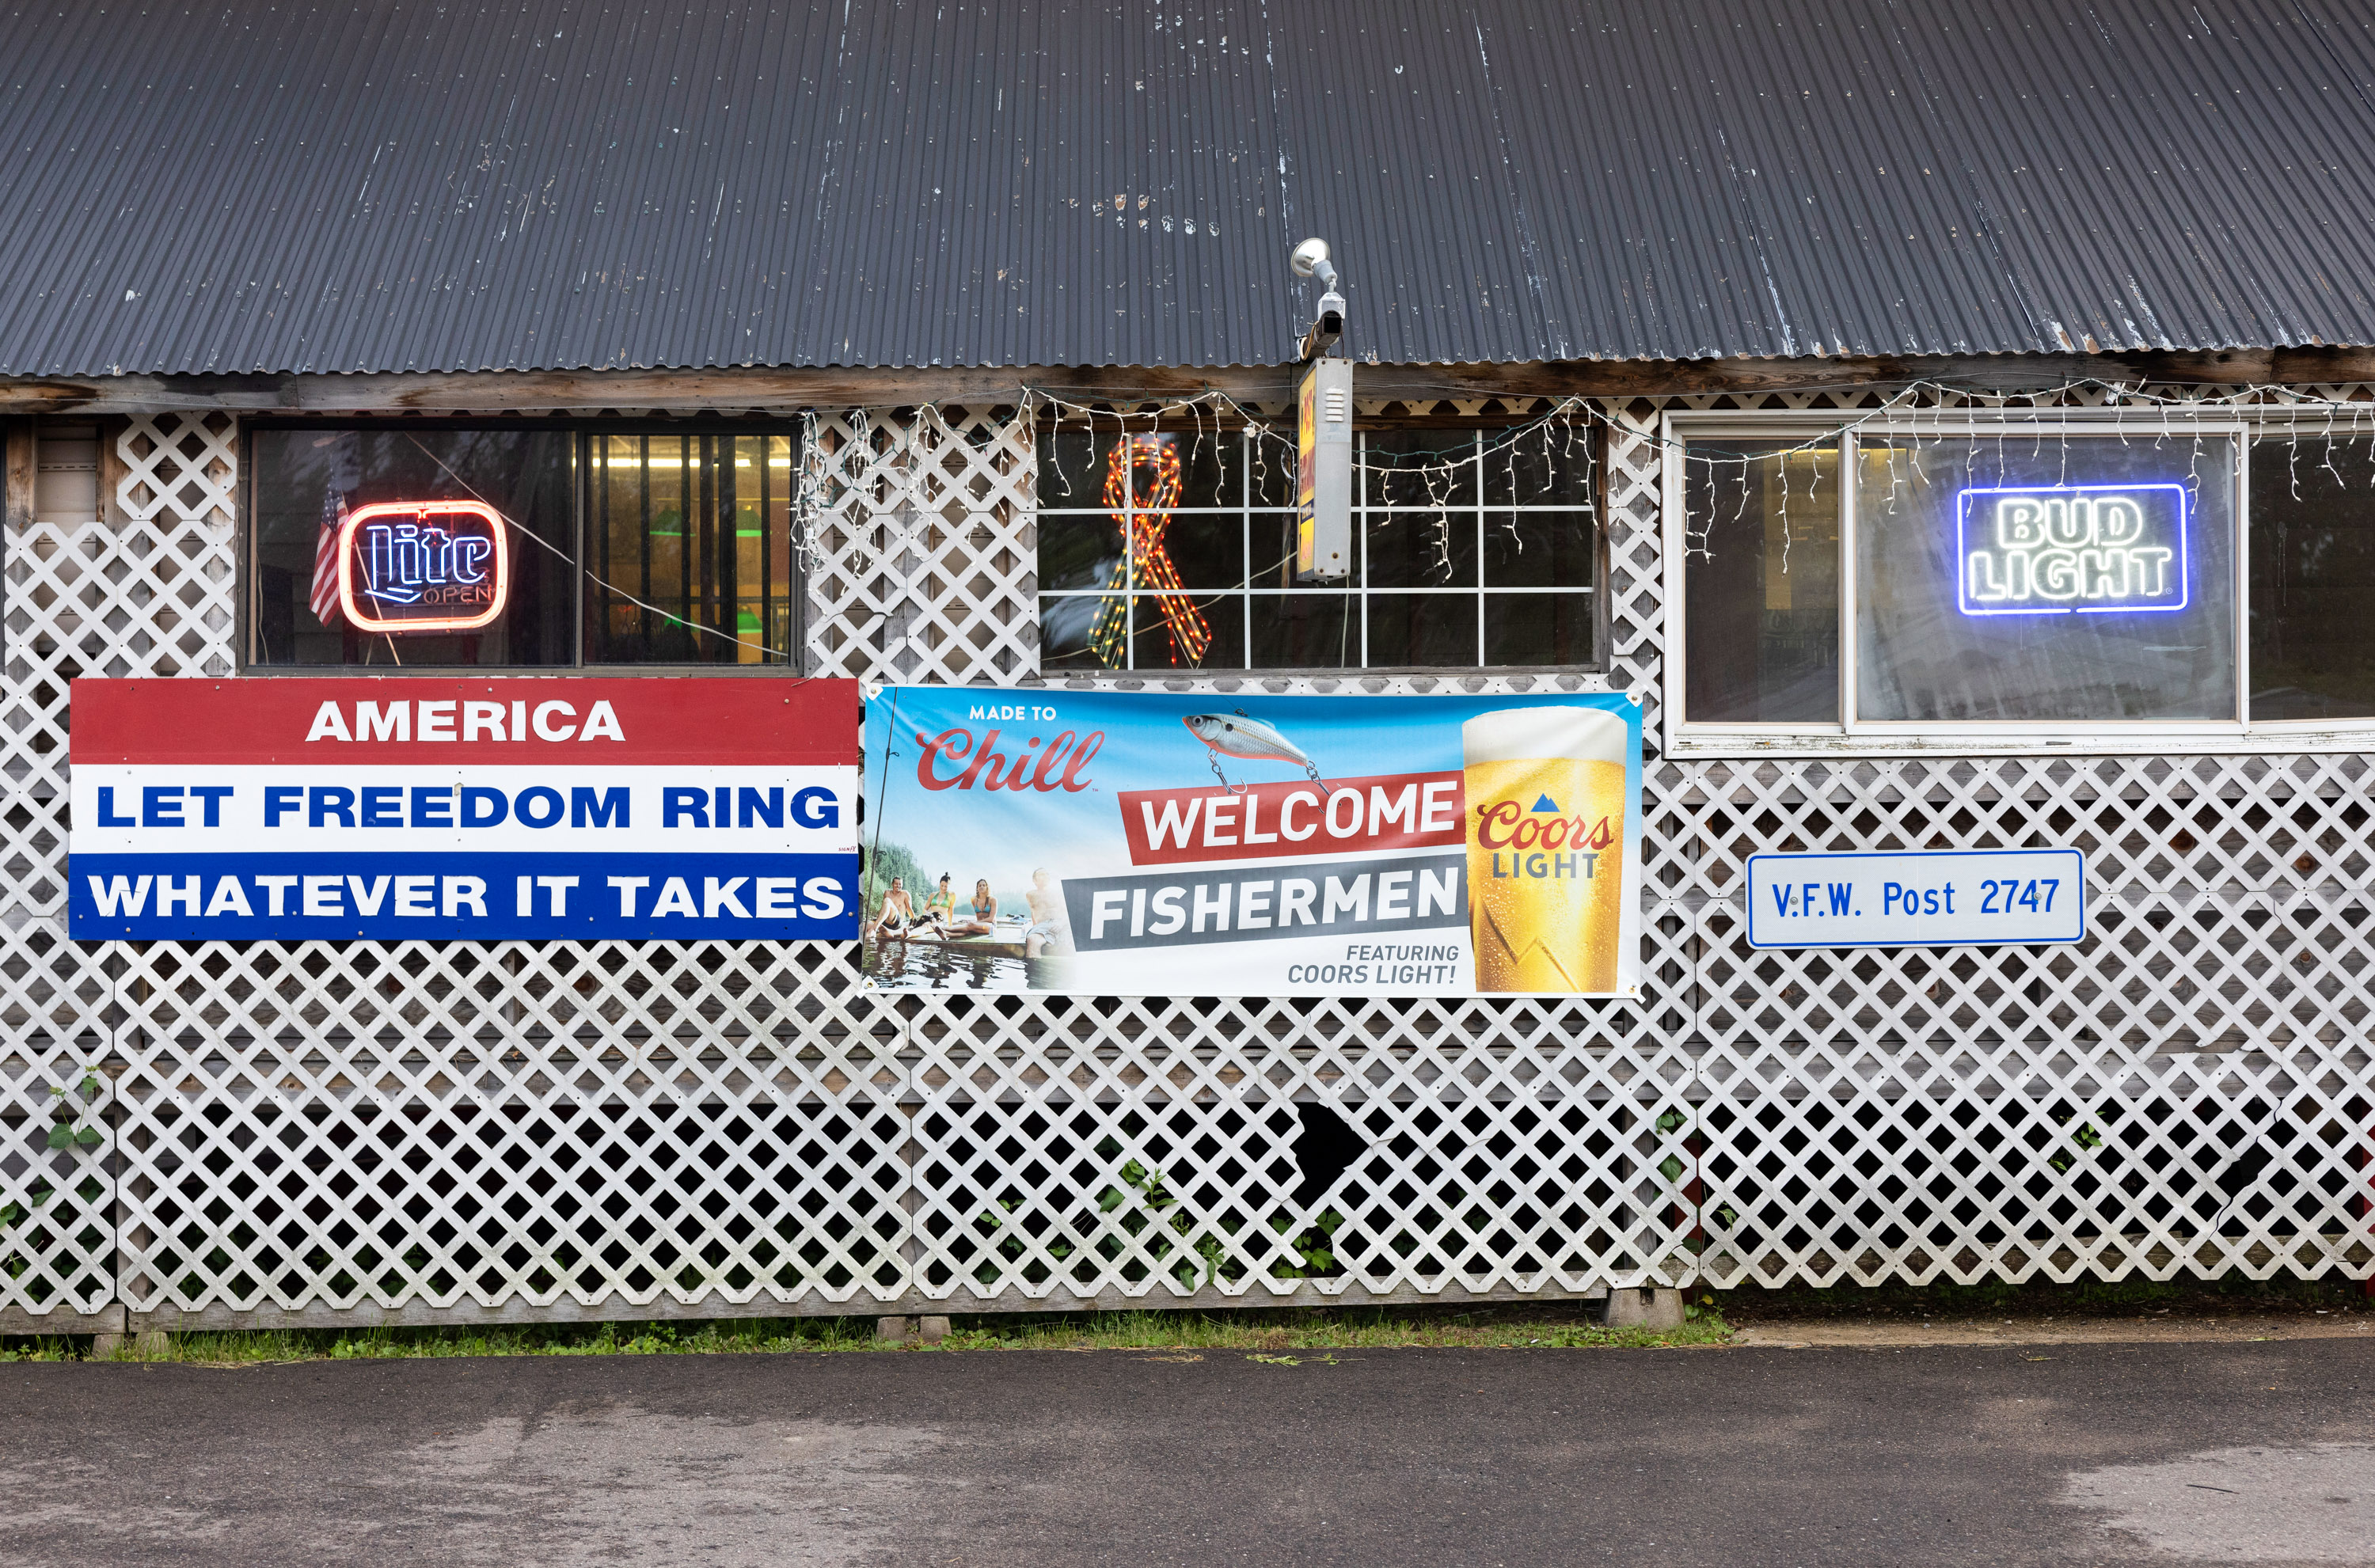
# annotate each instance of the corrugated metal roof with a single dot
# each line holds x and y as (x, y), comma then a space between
(543, 184)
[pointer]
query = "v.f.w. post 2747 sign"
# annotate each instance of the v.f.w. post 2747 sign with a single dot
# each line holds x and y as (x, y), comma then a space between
(473, 809)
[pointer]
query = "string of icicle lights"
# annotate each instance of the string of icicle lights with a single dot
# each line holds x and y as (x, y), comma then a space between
(2336, 420)
(900, 485)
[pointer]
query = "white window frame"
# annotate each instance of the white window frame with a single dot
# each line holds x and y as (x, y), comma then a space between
(1853, 736)
(1357, 591)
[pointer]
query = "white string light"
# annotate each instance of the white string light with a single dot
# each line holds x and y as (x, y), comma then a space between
(1903, 405)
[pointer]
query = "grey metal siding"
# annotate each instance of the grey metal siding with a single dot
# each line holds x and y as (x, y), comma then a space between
(548, 185)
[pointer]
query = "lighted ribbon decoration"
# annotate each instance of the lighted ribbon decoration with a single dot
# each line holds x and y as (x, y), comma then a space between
(1143, 524)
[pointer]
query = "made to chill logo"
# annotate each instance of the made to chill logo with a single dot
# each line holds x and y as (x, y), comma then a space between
(423, 566)
(2064, 549)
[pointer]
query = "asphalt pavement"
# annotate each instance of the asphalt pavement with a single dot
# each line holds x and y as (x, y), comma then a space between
(2067, 1454)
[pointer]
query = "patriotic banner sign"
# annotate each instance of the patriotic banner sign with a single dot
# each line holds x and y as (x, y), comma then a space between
(464, 809)
(1166, 843)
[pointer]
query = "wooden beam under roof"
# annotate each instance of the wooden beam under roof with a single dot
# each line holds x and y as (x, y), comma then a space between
(681, 391)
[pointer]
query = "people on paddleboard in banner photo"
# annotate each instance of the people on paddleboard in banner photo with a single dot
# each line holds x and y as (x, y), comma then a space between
(1046, 930)
(984, 917)
(898, 911)
(941, 909)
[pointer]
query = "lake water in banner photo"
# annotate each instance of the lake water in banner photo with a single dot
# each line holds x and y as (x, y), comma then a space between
(912, 965)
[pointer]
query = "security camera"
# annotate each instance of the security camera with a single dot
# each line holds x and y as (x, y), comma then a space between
(1328, 330)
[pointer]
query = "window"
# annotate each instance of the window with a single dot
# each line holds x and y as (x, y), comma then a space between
(1174, 550)
(1762, 583)
(691, 537)
(2096, 581)
(2313, 502)
(421, 546)
(2017, 579)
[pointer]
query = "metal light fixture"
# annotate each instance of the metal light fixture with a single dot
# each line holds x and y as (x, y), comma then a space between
(1323, 498)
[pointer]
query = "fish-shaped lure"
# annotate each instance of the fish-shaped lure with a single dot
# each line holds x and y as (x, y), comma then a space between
(1234, 735)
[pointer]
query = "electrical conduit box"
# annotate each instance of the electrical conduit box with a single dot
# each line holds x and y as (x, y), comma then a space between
(1323, 535)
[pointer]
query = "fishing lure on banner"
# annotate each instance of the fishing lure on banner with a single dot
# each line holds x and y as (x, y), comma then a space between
(1234, 735)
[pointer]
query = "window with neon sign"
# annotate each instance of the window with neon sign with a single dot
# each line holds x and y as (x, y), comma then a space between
(411, 547)
(2058, 579)
(2059, 575)
(526, 545)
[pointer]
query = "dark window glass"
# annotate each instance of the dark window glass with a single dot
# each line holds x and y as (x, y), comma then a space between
(1538, 549)
(1065, 625)
(1419, 468)
(1761, 582)
(303, 479)
(1419, 548)
(1551, 467)
(1422, 629)
(690, 543)
(1305, 631)
(1077, 551)
(1538, 628)
(2312, 580)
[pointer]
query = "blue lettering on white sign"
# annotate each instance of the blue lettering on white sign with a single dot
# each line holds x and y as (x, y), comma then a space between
(1926, 899)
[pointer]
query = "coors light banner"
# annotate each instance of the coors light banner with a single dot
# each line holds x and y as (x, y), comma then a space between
(1160, 844)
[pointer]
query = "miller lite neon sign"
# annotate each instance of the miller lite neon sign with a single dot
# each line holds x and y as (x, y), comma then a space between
(2065, 549)
(414, 566)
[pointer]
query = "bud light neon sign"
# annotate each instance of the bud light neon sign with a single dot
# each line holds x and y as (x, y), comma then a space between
(414, 566)
(2065, 549)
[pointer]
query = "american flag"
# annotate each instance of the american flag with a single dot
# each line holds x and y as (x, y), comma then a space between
(325, 556)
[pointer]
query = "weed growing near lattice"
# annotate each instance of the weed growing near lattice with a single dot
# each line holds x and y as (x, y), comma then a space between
(1263, 1333)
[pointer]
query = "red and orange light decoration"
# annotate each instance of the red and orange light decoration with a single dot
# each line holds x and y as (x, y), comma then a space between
(1145, 557)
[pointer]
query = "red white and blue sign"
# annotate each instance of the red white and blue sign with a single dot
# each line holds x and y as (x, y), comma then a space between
(464, 809)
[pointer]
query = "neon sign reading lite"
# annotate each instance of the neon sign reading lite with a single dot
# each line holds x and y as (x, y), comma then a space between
(2064, 549)
(423, 566)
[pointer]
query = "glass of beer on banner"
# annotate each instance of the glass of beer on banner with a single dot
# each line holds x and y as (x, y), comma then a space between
(1545, 847)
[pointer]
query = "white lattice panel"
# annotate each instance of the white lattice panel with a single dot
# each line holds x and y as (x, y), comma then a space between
(516, 1129)
(57, 1220)
(323, 1131)
(143, 586)
(1145, 1151)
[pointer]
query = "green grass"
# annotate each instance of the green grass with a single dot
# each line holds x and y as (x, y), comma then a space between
(1251, 1332)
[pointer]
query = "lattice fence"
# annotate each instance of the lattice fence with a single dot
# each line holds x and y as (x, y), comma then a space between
(420, 1132)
